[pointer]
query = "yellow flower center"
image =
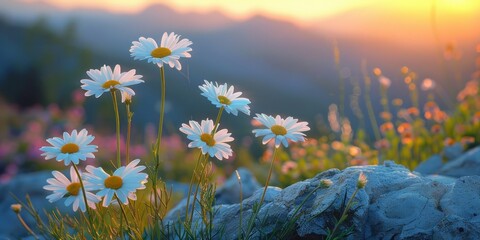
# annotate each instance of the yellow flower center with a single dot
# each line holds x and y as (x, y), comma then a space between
(70, 148)
(278, 130)
(110, 83)
(208, 139)
(113, 182)
(224, 100)
(160, 52)
(73, 188)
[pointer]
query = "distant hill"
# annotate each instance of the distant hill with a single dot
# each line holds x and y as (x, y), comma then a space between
(281, 67)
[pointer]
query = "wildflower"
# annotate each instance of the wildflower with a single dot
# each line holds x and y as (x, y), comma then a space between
(386, 116)
(440, 116)
(413, 111)
(347, 132)
(386, 127)
(384, 81)
(467, 140)
(436, 128)
(105, 80)
(354, 151)
(448, 142)
(333, 118)
(215, 144)
(427, 84)
(382, 144)
(404, 128)
(397, 102)
(16, 208)
(171, 49)
(62, 187)
(471, 89)
(72, 148)
(325, 183)
(407, 138)
(338, 146)
(288, 166)
(476, 118)
(223, 96)
(362, 181)
(358, 161)
(280, 129)
(123, 183)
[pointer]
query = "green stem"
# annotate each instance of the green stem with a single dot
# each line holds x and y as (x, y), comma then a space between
(336, 55)
(157, 146)
(162, 109)
(204, 156)
(368, 102)
(24, 224)
(191, 184)
(83, 192)
(123, 213)
(129, 128)
(241, 205)
(344, 215)
(268, 178)
(117, 125)
(217, 121)
(252, 220)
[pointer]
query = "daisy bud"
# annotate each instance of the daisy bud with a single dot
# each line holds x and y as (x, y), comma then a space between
(325, 183)
(16, 207)
(362, 181)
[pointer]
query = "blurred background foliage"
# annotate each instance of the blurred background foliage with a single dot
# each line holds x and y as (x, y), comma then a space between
(40, 97)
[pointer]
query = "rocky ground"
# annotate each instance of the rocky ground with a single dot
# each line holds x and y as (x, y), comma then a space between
(395, 204)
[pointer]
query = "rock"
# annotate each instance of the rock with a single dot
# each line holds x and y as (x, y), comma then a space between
(414, 218)
(395, 204)
(459, 163)
(229, 193)
(453, 151)
(463, 199)
(467, 164)
(456, 228)
(430, 166)
(31, 184)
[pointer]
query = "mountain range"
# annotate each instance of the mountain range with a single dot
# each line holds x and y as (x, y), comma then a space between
(283, 68)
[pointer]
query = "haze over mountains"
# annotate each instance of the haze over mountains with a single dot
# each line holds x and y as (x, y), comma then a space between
(281, 67)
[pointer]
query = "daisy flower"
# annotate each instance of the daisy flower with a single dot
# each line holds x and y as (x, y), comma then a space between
(105, 80)
(280, 129)
(71, 190)
(123, 183)
(72, 148)
(222, 96)
(171, 49)
(201, 136)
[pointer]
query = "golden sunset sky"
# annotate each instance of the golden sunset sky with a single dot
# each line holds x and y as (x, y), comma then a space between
(297, 11)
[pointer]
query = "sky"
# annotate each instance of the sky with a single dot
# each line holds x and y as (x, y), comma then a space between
(297, 11)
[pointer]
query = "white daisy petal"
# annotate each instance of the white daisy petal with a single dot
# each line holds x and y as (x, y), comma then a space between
(125, 181)
(282, 130)
(105, 80)
(201, 136)
(222, 96)
(71, 148)
(62, 187)
(171, 49)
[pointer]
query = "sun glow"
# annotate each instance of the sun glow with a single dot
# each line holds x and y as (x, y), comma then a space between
(304, 11)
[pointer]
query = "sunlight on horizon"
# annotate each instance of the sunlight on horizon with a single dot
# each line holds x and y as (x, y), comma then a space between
(307, 12)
